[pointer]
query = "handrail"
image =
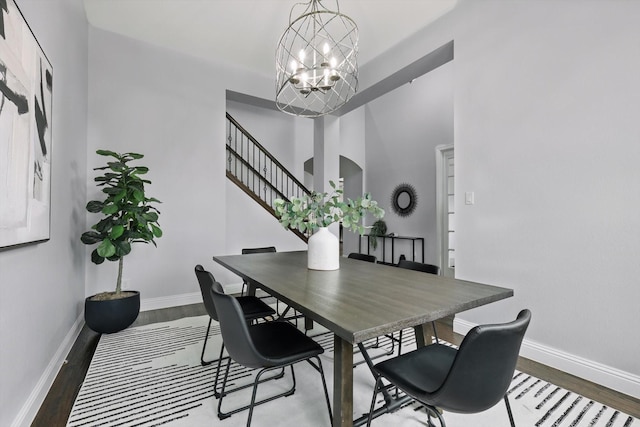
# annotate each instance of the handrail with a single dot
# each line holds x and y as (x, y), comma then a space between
(268, 154)
(257, 172)
(251, 169)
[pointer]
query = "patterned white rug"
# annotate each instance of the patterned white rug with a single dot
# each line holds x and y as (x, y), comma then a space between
(151, 376)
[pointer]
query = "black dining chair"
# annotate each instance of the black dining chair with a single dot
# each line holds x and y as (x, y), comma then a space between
(468, 380)
(245, 284)
(248, 251)
(419, 266)
(362, 257)
(372, 259)
(265, 346)
(425, 268)
(252, 307)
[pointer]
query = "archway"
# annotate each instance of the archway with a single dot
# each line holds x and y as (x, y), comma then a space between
(352, 181)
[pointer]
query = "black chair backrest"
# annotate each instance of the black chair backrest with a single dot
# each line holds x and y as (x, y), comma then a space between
(206, 281)
(418, 266)
(362, 257)
(483, 368)
(266, 249)
(246, 251)
(235, 331)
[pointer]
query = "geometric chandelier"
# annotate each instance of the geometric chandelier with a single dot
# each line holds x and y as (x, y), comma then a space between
(316, 61)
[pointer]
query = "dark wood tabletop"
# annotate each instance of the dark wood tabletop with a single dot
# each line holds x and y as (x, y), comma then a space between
(361, 300)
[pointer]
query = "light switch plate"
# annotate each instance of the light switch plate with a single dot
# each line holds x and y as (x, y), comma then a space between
(469, 198)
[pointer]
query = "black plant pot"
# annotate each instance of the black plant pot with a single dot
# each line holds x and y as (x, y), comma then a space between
(111, 316)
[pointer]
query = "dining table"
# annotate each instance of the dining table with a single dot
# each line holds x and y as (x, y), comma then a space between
(359, 301)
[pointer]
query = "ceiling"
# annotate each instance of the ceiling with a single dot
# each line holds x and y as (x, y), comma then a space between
(246, 32)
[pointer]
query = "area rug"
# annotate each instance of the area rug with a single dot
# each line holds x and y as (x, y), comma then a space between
(151, 376)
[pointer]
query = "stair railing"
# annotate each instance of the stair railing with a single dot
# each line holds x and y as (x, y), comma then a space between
(257, 172)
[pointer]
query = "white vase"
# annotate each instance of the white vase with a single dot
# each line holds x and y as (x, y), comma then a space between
(324, 250)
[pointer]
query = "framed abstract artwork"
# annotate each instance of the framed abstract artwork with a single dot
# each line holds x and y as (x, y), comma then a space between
(26, 85)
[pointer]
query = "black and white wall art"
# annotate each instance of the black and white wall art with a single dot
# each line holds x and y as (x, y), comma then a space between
(26, 85)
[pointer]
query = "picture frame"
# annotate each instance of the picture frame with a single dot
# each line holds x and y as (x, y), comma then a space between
(26, 100)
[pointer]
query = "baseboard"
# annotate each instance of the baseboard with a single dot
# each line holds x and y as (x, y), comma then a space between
(30, 408)
(606, 376)
(147, 304)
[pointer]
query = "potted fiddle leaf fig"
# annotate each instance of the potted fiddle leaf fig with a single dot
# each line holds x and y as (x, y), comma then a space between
(127, 216)
(315, 212)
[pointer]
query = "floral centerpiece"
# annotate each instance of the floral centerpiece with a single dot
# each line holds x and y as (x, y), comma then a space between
(317, 211)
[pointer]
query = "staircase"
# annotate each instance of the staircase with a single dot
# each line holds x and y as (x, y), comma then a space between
(256, 172)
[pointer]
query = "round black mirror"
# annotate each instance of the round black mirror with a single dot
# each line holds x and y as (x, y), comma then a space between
(404, 199)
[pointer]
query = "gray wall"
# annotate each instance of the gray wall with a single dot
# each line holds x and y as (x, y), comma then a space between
(171, 108)
(42, 286)
(546, 100)
(547, 137)
(403, 128)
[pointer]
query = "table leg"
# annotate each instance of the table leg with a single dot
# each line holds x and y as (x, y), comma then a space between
(251, 288)
(425, 332)
(342, 383)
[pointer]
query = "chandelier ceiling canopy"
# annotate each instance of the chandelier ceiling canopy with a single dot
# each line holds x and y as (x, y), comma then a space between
(316, 61)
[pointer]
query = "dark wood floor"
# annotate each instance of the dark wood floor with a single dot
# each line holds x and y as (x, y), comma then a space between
(57, 405)
(59, 401)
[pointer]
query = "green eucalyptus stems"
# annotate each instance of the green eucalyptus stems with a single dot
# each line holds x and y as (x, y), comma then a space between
(128, 216)
(323, 209)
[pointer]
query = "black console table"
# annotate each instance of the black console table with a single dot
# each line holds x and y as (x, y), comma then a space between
(393, 241)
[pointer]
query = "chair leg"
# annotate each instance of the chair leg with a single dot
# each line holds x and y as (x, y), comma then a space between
(258, 380)
(393, 343)
(506, 402)
(431, 410)
(253, 398)
(240, 387)
(373, 399)
(206, 337)
(222, 415)
(435, 332)
(324, 385)
(215, 383)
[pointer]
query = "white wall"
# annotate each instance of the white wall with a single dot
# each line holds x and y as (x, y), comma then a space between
(352, 136)
(352, 164)
(42, 286)
(403, 128)
(553, 162)
(546, 100)
(169, 108)
(255, 227)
